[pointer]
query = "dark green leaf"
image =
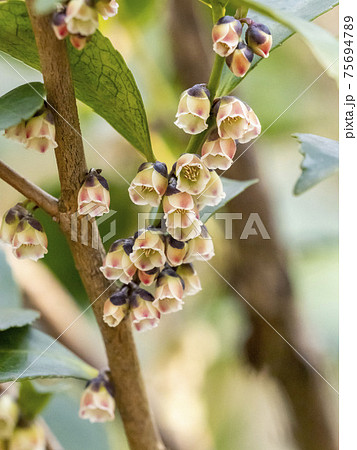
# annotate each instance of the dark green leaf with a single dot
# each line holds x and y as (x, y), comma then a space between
(320, 160)
(26, 353)
(232, 188)
(16, 317)
(21, 103)
(297, 9)
(102, 79)
(31, 401)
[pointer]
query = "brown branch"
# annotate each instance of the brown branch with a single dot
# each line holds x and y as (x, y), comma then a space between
(130, 393)
(42, 199)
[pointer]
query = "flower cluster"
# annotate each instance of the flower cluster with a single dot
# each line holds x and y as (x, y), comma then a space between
(228, 42)
(78, 19)
(97, 402)
(37, 133)
(24, 233)
(16, 433)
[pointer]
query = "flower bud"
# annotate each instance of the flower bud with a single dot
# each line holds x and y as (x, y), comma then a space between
(148, 277)
(218, 153)
(107, 8)
(143, 313)
(190, 278)
(149, 185)
(59, 24)
(175, 251)
(239, 61)
(9, 413)
(181, 216)
(148, 250)
(30, 241)
(81, 18)
(10, 222)
(116, 307)
(97, 401)
(117, 264)
(225, 35)
(31, 437)
(169, 292)
(17, 132)
(213, 194)
(93, 196)
(201, 247)
(78, 41)
(192, 175)
(40, 132)
(259, 39)
(254, 127)
(193, 109)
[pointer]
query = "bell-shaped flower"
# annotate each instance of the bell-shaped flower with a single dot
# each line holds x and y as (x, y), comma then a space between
(218, 153)
(107, 8)
(232, 118)
(30, 240)
(169, 292)
(9, 413)
(254, 127)
(116, 307)
(225, 35)
(143, 313)
(181, 216)
(93, 196)
(31, 437)
(175, 251)
(10, 222)
(239, 61)
(192, 175)
(78, 41)
(148, 250)
(81, 18)
(259, 39)
(149, 185)
(192, 281)
(194, 109)
(17, 132)
(97, 401)
(148, 277)
(117, 264)
(59, 24)
(213, 193)
(40, 132)
(201, 247)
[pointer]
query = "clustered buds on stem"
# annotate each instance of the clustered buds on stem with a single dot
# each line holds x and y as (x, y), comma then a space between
(228, 42)
(37, 133)
(97, 402)
(16, 433)
(24, 233)
(79, 19)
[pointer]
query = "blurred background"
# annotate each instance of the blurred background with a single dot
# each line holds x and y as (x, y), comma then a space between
(217, 375)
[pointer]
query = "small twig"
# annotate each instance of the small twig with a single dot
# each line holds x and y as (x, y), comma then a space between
(44, 200)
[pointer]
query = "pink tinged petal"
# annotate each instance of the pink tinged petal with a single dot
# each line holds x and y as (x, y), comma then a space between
(111, 273)
(199, 106)
(191, 124)
(168, 305)
(159, 183)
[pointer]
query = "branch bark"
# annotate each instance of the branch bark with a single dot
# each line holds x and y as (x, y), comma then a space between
(124, 366)
(29, 190)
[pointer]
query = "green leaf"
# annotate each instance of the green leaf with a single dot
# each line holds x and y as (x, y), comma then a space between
(320, 160)
(101, 78)
(20, 104)
(31, 401)
(232, 188)
(16, 317)
(26, 353)
(295, 14)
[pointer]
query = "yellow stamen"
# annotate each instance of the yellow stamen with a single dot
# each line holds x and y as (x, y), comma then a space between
(191, 172)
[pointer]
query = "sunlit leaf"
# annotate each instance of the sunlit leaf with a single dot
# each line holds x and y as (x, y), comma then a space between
(320, 160)
(31, 401)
